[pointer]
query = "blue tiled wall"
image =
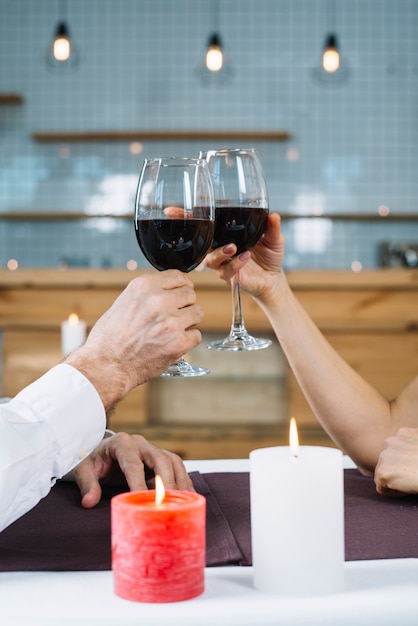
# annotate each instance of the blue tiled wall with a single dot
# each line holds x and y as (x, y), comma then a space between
(353, 145)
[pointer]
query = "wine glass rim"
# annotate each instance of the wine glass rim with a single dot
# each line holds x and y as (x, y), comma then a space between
(228, 151)
(172, 160)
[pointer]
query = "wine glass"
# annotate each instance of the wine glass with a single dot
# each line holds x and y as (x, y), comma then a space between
(174, 221)
(241, 212)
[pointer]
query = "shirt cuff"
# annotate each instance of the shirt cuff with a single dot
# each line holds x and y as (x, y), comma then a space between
(72, 409)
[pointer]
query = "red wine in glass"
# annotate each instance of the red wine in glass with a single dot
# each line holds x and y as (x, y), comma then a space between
(174, 221)
(241, 213)
(242, 226)
(179, 244)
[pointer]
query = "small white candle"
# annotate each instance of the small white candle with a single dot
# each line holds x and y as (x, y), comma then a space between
(297, 519)
(73, 334)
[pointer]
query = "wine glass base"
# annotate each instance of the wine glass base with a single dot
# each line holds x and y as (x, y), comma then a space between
(184, 369)
(239, 342)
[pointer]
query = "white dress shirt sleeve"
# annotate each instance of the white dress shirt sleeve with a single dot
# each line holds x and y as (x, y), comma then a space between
(44, 432)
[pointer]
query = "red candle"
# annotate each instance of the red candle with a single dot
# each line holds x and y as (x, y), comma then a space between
(158, 550)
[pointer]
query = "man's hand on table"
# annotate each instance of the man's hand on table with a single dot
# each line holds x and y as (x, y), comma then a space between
(131, 453)
(396, 472)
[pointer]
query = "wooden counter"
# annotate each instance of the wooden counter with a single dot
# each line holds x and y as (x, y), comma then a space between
(370, 317)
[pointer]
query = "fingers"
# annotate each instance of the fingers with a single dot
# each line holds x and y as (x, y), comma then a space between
(267, 253)
(128, 452)
(182, 297)
(273, 230)
(172, 279)
(175, 212)
(178, 289)
(225, 263)
(383, 482)
(271, 238)
(88, 483)
(131, 453)
(396, 472)
(386, 491)
(134, 452)
(172, 471)
(153, 282)
(216, 258)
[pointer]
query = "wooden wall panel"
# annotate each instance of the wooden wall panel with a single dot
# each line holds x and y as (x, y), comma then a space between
(371, 319)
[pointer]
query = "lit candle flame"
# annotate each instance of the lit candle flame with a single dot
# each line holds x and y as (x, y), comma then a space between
(293, 437)
(159, 490)
(73, 319)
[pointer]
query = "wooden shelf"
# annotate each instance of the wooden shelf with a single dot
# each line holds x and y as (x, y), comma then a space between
(160, 135)
(10, 98)
(43, 216)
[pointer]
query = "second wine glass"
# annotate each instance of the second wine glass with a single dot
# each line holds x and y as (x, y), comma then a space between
(241, 212)
(174, 221)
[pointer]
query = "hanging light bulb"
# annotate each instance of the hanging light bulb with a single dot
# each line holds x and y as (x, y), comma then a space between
(214, 68)
(214, 54)
(331, 56)
(62, 52)
(332, 68)
(61, 46)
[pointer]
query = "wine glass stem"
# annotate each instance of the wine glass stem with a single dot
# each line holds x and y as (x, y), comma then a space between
(237, 327)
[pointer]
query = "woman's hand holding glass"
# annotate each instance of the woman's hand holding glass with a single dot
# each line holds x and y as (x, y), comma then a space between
(241, 213)
(259, 269)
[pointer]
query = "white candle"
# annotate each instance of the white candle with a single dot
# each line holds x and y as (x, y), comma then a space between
(297, 519)
(73, 334)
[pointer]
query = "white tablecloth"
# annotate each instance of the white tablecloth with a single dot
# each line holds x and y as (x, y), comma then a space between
(377, 593)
